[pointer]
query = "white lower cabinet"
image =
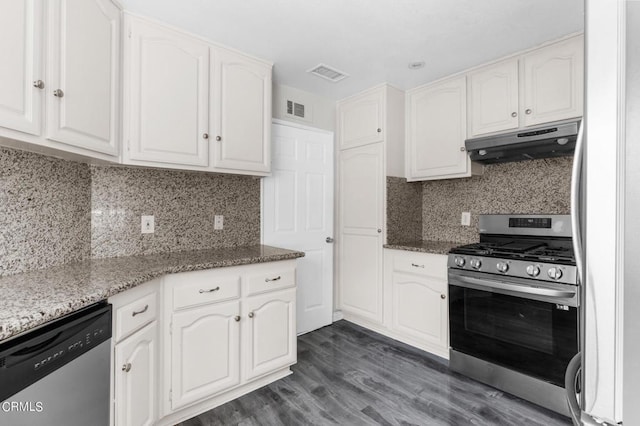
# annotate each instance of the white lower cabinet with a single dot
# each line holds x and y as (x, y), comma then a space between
(209, 338)
(269, 333)
(136, 362)
(416, 287)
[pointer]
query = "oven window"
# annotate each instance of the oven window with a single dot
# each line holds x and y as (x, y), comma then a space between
(520, 322)
(533, 337)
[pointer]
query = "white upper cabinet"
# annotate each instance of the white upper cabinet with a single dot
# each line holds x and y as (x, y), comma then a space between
(493, 98)
(21, 71)
(80, 91)
(83, 71)
(209, 110)
(553, 82)
(167, 96)
(240, 112)
(436, 131)
(541, 86)
(361, 119)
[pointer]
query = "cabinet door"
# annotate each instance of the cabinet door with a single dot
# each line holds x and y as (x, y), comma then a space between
(84, 66)
(241, 111)
(135, 378)
(493, 98)
(361, 120)
(167, 96)
(436, 131)
(21, 47)
(361, 216)
(205, 357)
(269, 333)
(420, 308)
(553, 82)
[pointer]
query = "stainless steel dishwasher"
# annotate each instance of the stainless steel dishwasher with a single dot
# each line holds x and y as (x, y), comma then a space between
(59, 373)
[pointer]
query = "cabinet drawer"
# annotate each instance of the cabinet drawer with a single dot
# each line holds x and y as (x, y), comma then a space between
(275, 279)
(425, 264)
(200, 288)
(133, 316)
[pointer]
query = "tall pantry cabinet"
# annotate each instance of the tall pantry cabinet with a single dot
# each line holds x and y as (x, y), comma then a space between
(370, 141)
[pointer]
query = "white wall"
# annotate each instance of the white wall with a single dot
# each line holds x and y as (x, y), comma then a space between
(320, 111)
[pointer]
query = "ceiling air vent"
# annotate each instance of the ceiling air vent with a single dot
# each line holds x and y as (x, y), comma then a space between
(328, 73)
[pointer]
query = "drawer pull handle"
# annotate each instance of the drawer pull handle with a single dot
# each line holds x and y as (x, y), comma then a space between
(266, 280)
(126, 367)
(141, 311)
(211, 290)
(417, 266)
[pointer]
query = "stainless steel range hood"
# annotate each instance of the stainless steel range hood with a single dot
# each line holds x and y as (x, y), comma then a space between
(551, 140)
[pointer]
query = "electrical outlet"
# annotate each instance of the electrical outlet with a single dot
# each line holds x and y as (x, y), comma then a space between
(218, 222)
(148, 224)
(465, 219)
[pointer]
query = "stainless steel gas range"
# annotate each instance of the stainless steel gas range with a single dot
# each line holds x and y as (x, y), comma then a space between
(513, 306)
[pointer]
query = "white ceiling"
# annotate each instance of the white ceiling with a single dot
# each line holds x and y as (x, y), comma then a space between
(371, 40)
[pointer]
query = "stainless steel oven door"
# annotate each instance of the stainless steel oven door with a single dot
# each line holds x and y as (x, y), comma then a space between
(529, 327)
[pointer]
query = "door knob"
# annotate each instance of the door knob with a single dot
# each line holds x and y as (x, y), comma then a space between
(329, 240)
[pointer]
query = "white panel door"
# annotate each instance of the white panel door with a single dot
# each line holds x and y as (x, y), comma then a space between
(84, 66)
(205, 352)
(21, 69)
(135, 372)
(437, 126)
(167, 109)
(269, 333)
(553, 82)
(297, 212)
(241, 111)
(361, 214)
(361, 120)
(493, 98)
(420, 308)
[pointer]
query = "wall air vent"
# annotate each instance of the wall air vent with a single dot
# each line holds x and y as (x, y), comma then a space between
(328, 73)
(295, 109)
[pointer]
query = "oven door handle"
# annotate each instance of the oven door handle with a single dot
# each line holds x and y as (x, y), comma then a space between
(516, 288)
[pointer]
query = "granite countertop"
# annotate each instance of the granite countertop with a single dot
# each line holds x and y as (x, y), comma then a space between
(424, 246)
(36, 297)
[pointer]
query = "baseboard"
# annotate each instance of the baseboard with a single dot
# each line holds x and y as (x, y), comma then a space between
(209, 404)
(337, 316)
(381, 329)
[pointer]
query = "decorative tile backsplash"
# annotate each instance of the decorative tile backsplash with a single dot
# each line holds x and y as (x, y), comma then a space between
(183, 205)
(404, 210)
(45, 217)
(535, 186)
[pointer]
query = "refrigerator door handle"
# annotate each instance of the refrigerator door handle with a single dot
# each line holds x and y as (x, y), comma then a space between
(576, 226)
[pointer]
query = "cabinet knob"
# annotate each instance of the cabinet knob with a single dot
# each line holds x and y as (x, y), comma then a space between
(218, 138)
(442, 296)
(379, 231)
(38, 84)
(126, 367)
(251, 315)
(379, 130)
(329, 240)
(462, 149)
(58, 93)
(514, 114)
(237, 318)
(205, 136)
(528, 111)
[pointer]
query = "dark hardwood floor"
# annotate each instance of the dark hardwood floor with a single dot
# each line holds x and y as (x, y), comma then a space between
(348, 375)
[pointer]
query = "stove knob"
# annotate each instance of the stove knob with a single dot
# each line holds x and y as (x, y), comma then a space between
(459, 261)
(555, 273)
(533, 271)
(502, 267)
(475, 263)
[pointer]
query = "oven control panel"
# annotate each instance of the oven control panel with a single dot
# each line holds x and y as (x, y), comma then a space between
(542, 271)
